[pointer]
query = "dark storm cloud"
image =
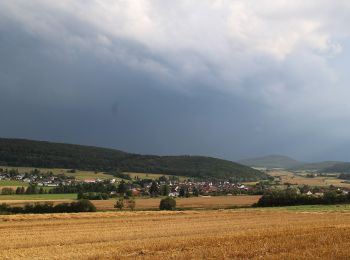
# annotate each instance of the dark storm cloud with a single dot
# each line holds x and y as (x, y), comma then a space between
(218, 78)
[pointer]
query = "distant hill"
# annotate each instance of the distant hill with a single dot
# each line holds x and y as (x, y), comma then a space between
(21, 152)
(271, 161)
(341, 167)
(317, 166)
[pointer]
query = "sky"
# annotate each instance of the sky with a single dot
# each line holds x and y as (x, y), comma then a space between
(226, 78)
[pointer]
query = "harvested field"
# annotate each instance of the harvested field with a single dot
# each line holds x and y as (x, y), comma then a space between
(224, 234)
(292, 178)
(217, 202)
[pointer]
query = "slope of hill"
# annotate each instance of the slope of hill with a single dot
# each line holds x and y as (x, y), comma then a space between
(342, 167)
(317, 166)
(271, 161)
(20, 152)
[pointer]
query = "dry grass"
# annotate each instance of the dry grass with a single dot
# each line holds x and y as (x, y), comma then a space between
(193, 202)
(225, 234)
(218, 202)
(289, 177)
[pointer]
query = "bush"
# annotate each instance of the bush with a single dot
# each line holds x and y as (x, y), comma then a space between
(291, 198)
(7, 191)
(167, 204)
(119, 204)
(37, 208)
(83, 206)
(93, 196)
(131, 204)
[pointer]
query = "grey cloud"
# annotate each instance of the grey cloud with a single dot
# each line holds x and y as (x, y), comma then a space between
(224, 78)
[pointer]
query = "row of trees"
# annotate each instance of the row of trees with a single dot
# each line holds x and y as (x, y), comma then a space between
(39, 208)
(290, 197)
(93, 196)
(31, 189)
(167, 203)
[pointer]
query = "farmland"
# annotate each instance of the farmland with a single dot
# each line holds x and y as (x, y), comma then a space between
(41, 197)
(219, 202)
(301, 179)
(224, 234)
(78, 174)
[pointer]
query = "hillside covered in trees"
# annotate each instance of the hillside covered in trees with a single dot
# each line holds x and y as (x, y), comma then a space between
(343, 167)
(20, 152)
(271, 161)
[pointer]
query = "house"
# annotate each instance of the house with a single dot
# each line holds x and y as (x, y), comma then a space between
(89, 181)
(173, 194)
(309, 193)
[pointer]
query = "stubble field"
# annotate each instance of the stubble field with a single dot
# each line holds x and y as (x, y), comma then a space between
(223, 234)
(215, 202)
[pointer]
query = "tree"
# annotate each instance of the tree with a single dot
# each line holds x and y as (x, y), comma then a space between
(7, 191)
(154, 190)
(183, 192)
(18, 190)
(131, 204)
(119, 204)
(163, 178)
(80, 195)
(32, 189)
(122, 188)
(164, 190)
(195, 191)
(167, 203)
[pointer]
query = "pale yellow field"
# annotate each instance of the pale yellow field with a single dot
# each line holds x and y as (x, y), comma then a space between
(224, 234)
(217, 202)
(289, 177)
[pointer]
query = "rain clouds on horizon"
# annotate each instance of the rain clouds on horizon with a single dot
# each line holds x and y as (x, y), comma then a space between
(231, 79)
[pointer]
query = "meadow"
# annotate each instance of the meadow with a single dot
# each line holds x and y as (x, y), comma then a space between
(41, 197)
(80, 175)
(214, 234)
(301, 179)
(153, 176)
(12, 183)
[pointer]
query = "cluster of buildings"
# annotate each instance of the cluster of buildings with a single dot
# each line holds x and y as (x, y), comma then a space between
(36, 177)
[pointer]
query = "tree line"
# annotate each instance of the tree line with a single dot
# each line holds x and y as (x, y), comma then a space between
(39, 208)
(290, 197)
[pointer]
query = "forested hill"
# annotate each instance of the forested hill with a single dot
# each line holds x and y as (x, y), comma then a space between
(271, 161)
(20, 152)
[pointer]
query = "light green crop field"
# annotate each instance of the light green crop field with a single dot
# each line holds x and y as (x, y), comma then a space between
(68, 196)
(80, 175)
(10, 183)
(152, 176)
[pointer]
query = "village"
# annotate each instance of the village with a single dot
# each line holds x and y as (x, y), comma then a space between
(172, 187)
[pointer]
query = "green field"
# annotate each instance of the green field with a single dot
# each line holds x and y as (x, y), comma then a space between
(13, 183)
(68, 196)
(152, 176)
(80, 175)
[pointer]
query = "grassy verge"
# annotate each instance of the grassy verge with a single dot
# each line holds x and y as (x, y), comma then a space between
(39, 197)
(6, 183)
